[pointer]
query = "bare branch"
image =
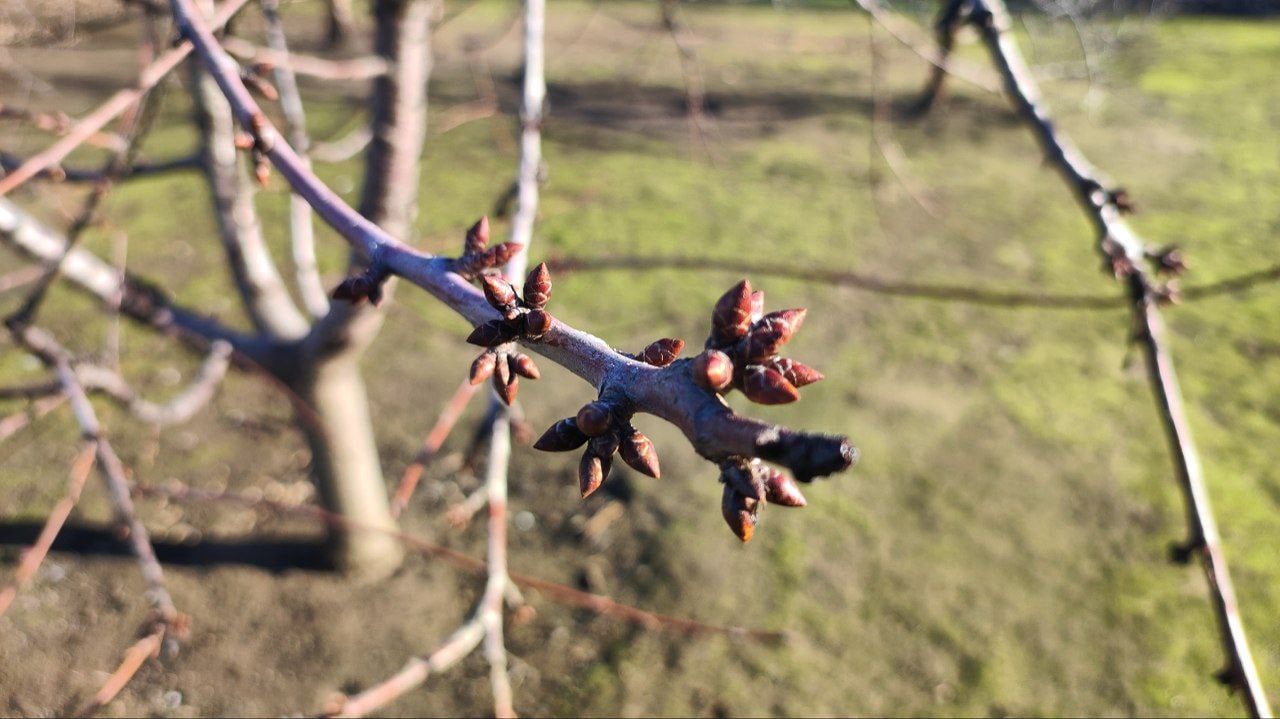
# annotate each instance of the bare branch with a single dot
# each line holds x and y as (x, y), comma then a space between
(301, 231)
(92, 123)
(669, 392)
(135, 656)
(356, 68)
(35, 554)
(59, 173)
(344, 148)
(1126, 255)
(431, 444)
(195, 397)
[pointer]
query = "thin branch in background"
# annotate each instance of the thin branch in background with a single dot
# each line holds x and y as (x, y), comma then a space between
(314, 295)
(889, 149)
(431, 445)
(35, 554)
(20, 277)
(344, 148)
(951, 17)
(1127, 255)
(92, 123)
(148, 647)
(18, 421)
(58, 123)
(691, 71)
(351, 69)
(182, 407)
(941, 61)
(60, 173)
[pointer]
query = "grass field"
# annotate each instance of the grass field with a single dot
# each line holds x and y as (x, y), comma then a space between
(1000, 549)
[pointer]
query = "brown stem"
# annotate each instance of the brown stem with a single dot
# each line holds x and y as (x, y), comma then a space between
(431, 444)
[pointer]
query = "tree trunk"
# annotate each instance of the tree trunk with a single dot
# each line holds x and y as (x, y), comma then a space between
(346, 468)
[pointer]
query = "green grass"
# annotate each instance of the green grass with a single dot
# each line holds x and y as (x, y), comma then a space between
(1001, 548)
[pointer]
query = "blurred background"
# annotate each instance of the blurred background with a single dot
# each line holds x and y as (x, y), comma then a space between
(1001, 548)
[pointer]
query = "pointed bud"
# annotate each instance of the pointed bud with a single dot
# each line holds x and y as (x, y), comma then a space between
(477, 237)
(353, 289)
(594, 419)
(498, 255)
(537, 287)
(491, 334)
(773, 331)
(661, 353)
(781, 489)
(764, 385)
(536, 323)
(483, 367)
(638, 452)
(739, 513)
(744, 479)
(500, 294)
(243, 141)
(713, 370)
(757, 305)
(523, 365)
(732, 314)
(561, 437)
(261, 169)
(797, 373)
(592, 471)
(507, 392)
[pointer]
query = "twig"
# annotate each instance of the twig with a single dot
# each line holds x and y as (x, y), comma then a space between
(135, 656)
(356, 68)
(35, 554)
(1126, 254)
(669, 392)
(691, 71)
(889, 148)
(59, 124)
(182, 407)
(16, 422)
(60, 173)
(344, 148)
(90, 124)
(431, 444)
(314, 296)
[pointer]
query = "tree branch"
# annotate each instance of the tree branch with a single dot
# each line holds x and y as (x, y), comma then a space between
(1127, 255)
(89, 126)
(58, 173)
(669, 392)
(182, 407)
(356, 68)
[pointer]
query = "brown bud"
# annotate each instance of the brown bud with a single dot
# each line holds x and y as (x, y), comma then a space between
(523, 365)
(757, 305)
(500, 294)
(713, 370)
(638, 452)
(739, 512)
(507, 392)
(745, 479)
(797, 373)
(594, 419)
(477, 237)
(498, 255)
(537, 287)
(764, 385)
(261, 169)
(561, 437)
(781, 489)
(731, 316)
(1169, 260)
(773, 331)
(243, 141)
(353, 289)
(260, 86)
(661, 353)
(491, 334)
(536, 323)
(592, 471)
(483, 367)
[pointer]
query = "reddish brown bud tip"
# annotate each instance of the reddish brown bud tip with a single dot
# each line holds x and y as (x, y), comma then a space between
(592, 471)
(594, 419)
(491, 334)
(797, 373)
(358, 289)
(757, 305)
(739, 513)
(781, 489)
(483, 367)
(561, 437)
(638, 452)
(499, 255)
(732, 314)
(243, 141)
(261, 170)
(713, 370)
(522, 365)
(477, 237)
(537, 287)
(764, 385)
(500, 294)
(507, 392)
(661, 353)
(773, 331)
(537, 323)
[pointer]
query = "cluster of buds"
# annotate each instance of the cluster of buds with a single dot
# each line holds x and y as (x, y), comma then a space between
(605, 427)
(748, 484)
(742, 351)
(258, 142)
(477, 256)
(1168, 260)
(524, 315)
